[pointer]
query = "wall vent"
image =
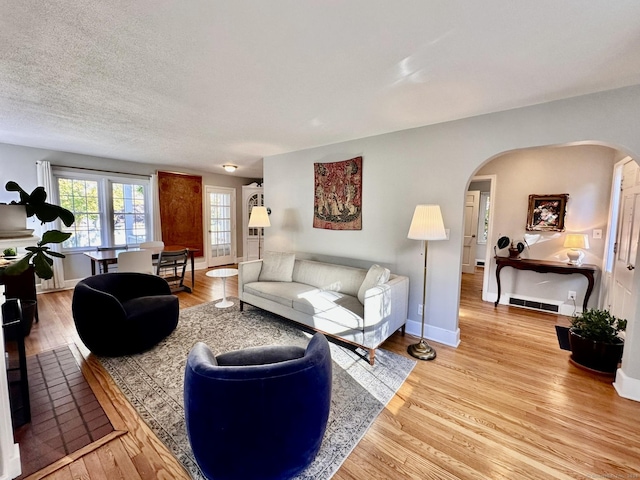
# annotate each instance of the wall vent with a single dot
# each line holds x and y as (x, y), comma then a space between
(480, 263)
(545, 307)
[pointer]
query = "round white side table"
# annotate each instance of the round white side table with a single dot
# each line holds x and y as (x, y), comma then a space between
(223, 273)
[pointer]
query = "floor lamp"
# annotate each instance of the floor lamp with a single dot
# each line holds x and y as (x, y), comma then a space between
(259, 219)
(426, 225)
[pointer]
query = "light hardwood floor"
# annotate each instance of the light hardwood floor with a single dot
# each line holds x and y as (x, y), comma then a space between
(505, 404)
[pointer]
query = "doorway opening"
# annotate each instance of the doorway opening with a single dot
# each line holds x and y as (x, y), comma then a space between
(586, 173)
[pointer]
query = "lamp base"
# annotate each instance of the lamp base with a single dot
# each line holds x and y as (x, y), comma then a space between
(421, 350)
(575, 257)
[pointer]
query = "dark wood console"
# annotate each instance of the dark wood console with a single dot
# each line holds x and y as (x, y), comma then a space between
(548, 266)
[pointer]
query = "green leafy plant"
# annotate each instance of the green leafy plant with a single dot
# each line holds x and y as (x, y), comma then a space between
(504, 242)
(40, 255)
(598, 325)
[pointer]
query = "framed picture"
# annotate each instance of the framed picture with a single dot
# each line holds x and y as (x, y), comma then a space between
(546, 212)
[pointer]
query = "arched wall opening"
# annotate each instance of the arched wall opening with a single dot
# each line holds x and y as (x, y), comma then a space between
(583, 170)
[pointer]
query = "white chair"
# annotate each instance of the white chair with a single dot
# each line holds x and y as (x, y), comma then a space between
(153, 244)
(156, 246)
(137, 261)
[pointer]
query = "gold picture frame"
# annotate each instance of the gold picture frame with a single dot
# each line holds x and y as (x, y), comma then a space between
(546, 212)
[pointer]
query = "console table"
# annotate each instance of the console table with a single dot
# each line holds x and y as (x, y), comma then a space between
(547, 266)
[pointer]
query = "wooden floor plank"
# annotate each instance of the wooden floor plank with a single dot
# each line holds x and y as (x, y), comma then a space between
(505, 404)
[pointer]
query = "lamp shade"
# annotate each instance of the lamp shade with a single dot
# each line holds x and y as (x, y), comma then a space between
(259, 217)
(576, 240)
(427, 223)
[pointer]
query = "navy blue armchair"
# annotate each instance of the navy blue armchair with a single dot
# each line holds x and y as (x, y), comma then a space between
(123, 313)
(259, 412)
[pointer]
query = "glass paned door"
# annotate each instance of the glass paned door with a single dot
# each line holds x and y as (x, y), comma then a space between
(221, 206)
(255, 236)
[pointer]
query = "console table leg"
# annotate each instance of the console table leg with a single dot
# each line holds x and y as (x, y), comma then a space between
(498, 268)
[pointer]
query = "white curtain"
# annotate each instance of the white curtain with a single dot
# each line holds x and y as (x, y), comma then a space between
(45, 179)
(156, 227)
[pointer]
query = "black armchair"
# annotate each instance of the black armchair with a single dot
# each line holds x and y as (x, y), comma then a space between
(123, 313)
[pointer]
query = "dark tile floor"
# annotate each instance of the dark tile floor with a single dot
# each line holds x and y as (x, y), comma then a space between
(65, 415)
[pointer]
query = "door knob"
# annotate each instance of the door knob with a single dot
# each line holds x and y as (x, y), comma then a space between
(630, 267)
(473, 236)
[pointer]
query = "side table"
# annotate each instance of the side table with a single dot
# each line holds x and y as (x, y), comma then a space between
(223, 273)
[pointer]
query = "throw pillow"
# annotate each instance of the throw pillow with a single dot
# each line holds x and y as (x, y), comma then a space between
(376, 275)
(277, 267)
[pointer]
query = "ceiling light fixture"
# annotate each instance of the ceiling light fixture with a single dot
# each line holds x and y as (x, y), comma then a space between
(230, 168)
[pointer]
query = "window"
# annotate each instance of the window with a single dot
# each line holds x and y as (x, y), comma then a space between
(110, 210)
(483, 220)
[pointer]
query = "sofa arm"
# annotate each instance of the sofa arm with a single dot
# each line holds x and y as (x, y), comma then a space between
(387, 302)
(248, 272)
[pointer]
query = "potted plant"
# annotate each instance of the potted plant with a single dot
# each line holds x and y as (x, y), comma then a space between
(594, 340)
(515, 247)
(40, 256)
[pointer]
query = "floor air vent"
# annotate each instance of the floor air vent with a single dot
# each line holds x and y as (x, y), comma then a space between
(546, 307)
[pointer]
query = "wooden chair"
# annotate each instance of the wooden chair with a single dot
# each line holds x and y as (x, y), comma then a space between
(172, 267)
(136, 261)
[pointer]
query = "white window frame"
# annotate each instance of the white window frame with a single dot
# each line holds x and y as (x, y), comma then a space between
(105, 198)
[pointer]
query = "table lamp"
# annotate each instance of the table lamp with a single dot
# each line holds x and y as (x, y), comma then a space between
(426, 225)
(576, 242)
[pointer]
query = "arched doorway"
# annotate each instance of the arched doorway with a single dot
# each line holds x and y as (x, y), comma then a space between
(585, 172)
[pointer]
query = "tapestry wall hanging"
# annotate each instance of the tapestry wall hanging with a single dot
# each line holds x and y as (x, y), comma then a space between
(181, 210)
(338, 195)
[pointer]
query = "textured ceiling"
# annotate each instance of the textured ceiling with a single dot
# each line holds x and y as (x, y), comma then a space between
(200, 83)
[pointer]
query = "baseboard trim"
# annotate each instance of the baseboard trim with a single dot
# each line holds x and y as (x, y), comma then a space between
(437, 334)
(626, 386)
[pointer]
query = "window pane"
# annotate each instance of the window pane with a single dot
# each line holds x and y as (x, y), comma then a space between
(81, 197)
(129, 219)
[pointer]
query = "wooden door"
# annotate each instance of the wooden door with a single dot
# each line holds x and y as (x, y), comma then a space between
(471, 209)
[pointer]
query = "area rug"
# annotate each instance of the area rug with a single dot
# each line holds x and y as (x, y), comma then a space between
(153, 381)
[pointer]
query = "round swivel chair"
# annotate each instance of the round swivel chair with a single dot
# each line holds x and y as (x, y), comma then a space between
(259, 412)
(123, 313)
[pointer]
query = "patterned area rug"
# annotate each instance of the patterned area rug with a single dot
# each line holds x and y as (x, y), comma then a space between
(153, 381)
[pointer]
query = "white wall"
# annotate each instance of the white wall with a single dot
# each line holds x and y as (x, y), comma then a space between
(585, 173)
(19, 164)
(432, 164)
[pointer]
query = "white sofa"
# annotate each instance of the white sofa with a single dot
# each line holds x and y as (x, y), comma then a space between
(361, 307)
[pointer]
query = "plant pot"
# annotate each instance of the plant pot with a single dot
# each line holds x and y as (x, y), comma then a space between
(598, 356)
(514, 253)
(13, 221)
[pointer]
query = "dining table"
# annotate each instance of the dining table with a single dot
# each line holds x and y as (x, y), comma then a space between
(106, 257)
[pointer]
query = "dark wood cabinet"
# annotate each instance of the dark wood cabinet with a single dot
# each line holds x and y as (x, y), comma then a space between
(21, 286)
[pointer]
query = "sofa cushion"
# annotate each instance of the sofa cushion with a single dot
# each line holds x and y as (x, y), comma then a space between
(316, 302)
(337, 278)
(283, 293)
(277, 267)
(343, 317)
(376, 275)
